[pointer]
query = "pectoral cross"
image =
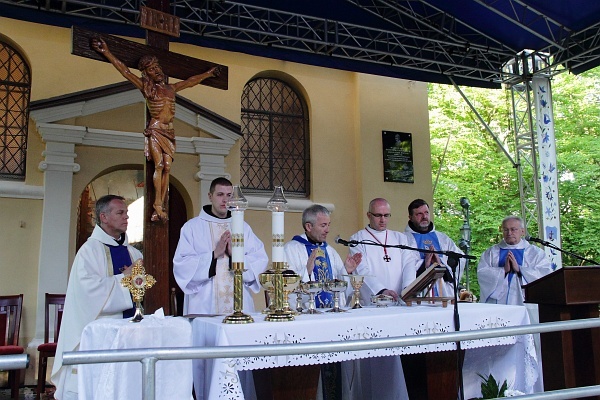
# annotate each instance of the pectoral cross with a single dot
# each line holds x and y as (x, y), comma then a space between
(387, 258)
(159, 26)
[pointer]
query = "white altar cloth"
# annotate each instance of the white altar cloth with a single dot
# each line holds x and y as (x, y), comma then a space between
(516, 360)
(123, 381)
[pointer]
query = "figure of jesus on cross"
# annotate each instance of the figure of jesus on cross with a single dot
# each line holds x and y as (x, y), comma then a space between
(160, 99)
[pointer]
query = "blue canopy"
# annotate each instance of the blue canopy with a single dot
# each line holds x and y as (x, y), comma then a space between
(472, 42)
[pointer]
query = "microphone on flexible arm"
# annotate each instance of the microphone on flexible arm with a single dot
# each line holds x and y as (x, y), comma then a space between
(537, 240)
(350, 243)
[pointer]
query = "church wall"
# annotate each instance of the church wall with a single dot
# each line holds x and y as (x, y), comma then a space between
(403, 109)
(20, 251)
(347, 113)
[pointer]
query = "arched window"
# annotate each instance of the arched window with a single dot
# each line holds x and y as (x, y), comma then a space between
(275, 149)
(15, 87)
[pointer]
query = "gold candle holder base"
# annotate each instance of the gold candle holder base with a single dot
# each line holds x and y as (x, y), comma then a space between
(280, 316)
(238, 317)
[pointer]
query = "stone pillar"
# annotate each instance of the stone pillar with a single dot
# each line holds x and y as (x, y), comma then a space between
(53, 272)
(211, 166)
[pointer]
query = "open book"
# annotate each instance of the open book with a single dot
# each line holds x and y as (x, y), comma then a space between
(423, 281)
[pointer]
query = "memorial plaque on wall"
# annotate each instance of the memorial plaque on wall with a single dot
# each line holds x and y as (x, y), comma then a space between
(397, 157)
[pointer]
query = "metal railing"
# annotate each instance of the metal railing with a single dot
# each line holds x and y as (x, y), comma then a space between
(14, 361)
(148, 357)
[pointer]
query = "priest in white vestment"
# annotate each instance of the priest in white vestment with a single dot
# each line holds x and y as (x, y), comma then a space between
(422, 234)
(202, 260)
(506, 266)
(388, 270)
(94, 289)
(202, 268)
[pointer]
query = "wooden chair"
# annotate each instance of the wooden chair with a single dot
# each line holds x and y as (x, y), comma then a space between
(173, 302)
(55, 304)
(11, 308)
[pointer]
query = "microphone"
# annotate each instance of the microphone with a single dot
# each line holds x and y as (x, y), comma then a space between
(536, 240)
(343, 242)
(464, 202)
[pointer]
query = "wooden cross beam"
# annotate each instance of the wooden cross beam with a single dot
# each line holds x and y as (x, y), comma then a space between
(173, 64)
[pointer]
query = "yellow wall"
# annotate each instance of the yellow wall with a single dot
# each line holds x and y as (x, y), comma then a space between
(19, 255)
(347, 113)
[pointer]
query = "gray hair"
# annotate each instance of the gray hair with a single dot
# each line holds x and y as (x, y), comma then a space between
(511, 218)
(103, 205)
(310, 214)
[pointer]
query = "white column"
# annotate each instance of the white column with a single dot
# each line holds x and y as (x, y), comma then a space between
(211, 166)
(548, 170)
(58, 168)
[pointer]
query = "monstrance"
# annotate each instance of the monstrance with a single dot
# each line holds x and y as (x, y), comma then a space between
(137, 282)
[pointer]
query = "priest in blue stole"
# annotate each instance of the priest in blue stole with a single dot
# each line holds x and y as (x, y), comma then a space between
(506, 266)
(313, 259)
(422, 231)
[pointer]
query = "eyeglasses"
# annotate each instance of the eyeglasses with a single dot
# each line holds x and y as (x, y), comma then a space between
(380, 215)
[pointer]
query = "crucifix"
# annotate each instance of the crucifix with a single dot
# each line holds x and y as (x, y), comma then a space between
(156, 63)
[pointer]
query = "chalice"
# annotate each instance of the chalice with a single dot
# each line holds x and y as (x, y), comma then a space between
(266, 281)
(336, 286)
(312, 288)
(356, 281)
(299, 291)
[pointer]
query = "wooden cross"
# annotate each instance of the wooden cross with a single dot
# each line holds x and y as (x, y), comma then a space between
(159, 25)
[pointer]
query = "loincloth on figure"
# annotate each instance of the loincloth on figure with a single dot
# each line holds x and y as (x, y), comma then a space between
(164, 138)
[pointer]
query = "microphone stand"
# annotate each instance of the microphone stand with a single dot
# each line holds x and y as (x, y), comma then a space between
(548, 244)
(453, 262)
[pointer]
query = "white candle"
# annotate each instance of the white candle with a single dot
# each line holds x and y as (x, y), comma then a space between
(237, 236)
(277, 229)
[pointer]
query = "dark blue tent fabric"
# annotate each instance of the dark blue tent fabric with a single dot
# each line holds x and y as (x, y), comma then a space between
(427, 40)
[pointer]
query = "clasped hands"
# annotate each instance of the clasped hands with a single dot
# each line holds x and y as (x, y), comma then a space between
(223, 245)
(511, 265)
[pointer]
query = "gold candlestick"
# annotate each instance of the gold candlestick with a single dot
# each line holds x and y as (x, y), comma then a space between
(237, 204)
(137, 283)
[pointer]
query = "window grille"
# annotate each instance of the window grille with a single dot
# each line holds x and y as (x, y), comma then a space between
(275, 147)
(15, 87)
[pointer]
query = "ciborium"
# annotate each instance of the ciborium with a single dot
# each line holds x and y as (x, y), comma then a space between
(383, 300)
(336, 286)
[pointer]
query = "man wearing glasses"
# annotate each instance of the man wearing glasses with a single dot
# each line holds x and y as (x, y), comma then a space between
(388, 270)
(423, 235)
(513, 262)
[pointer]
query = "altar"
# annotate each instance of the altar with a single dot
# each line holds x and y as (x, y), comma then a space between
(123, 381)
(512, 358)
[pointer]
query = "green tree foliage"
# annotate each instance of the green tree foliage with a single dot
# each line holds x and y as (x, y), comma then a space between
(467, 161)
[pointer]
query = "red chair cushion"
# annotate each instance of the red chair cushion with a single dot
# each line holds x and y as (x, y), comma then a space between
(48, 347)
(6, 350)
